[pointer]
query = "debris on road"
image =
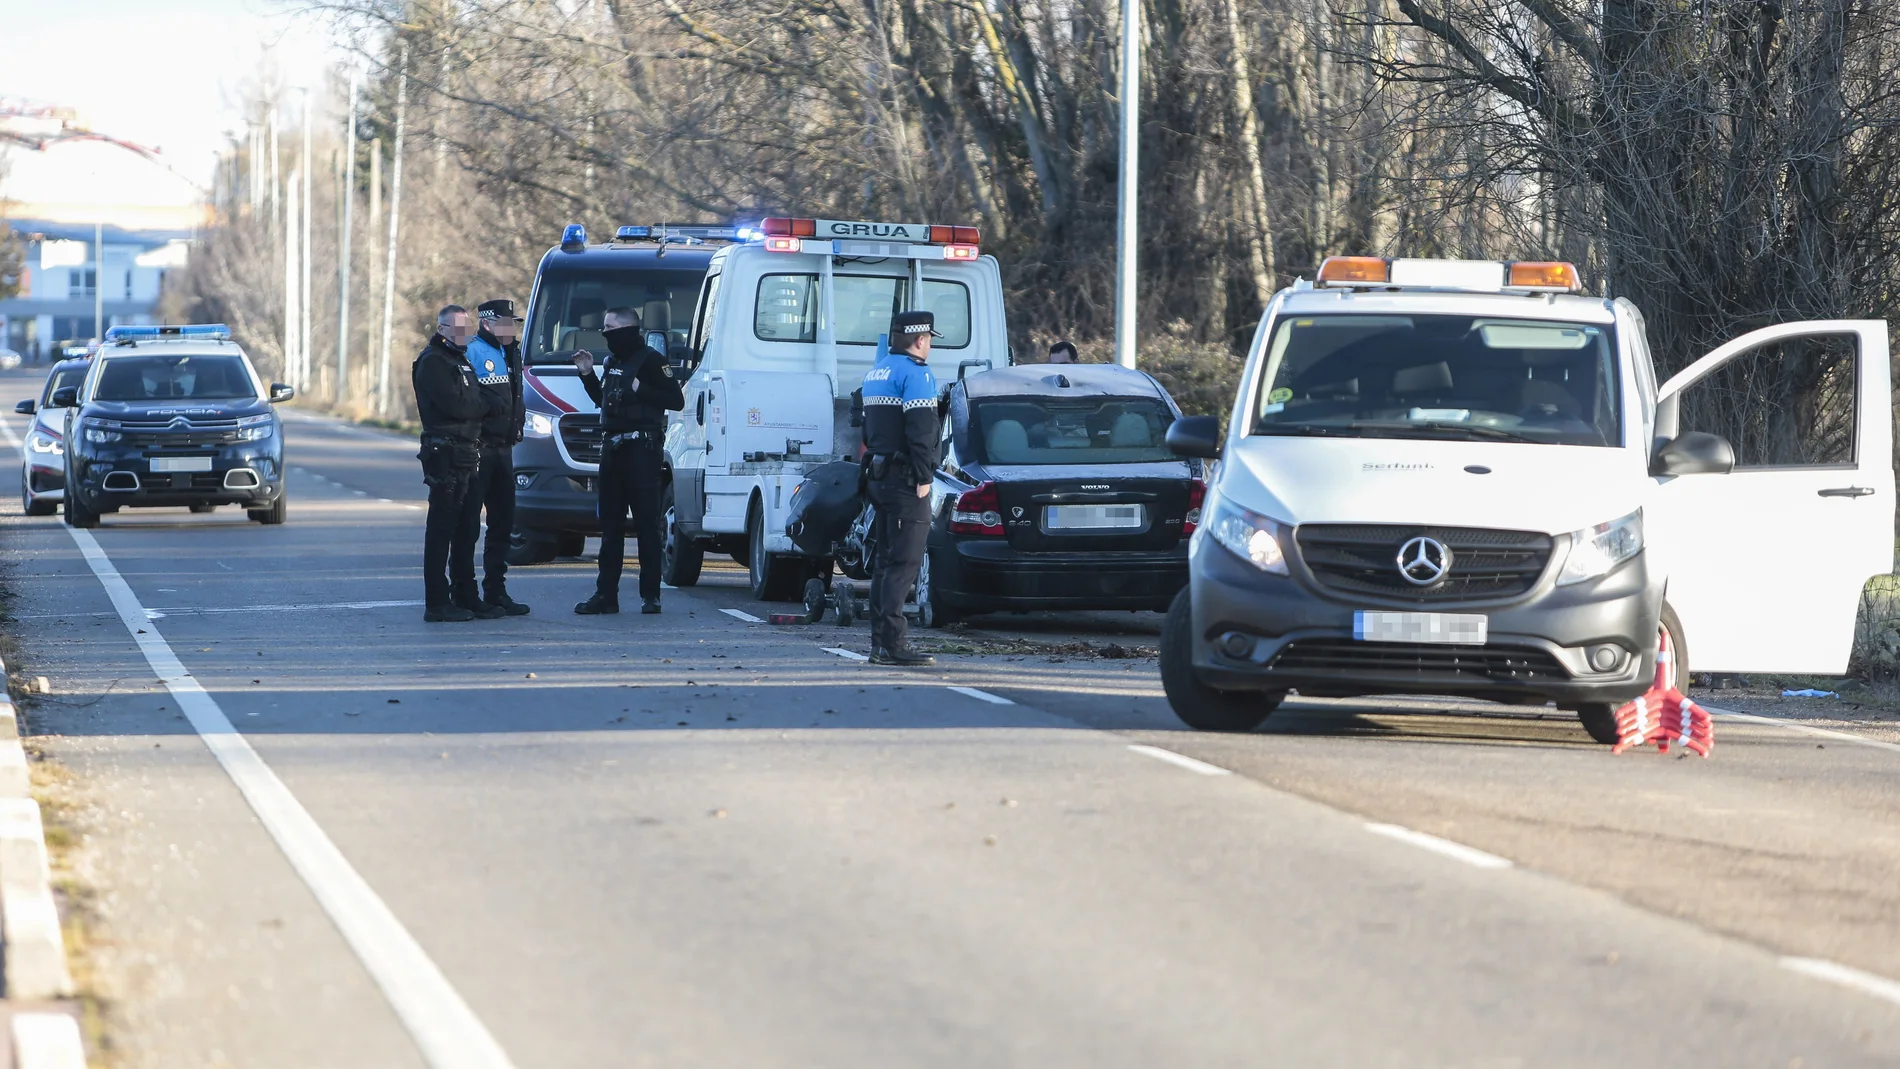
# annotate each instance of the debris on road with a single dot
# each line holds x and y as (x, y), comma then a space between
(1809, 692)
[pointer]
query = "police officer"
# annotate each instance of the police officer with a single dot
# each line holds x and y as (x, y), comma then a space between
(901, 432)
(452, 406)
(495, 356)
(634, 393)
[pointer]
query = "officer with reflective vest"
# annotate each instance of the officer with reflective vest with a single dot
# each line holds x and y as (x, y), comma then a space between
(451, 406)
(901, 433)
(495, 357)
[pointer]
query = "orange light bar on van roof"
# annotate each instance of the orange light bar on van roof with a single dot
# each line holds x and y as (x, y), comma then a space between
(1354, 271)
(779, 226)
(1549, 275)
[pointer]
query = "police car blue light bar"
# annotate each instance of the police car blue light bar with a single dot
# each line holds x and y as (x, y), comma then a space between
(214, 331)
(573, 238)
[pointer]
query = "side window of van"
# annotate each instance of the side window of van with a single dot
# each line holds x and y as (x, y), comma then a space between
(703, 326)
(1788, 403)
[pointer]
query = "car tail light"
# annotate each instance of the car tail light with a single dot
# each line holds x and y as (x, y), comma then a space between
(977, 512)
(1197, 495)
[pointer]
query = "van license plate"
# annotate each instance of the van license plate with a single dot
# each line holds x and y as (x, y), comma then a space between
(1460, 629)
(181, 463)
(1092, 517)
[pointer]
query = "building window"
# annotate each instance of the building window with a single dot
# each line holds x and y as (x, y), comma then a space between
(84, 282)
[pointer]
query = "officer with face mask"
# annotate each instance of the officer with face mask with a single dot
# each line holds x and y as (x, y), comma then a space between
(901, 432)
(495, 357)
(634, 393)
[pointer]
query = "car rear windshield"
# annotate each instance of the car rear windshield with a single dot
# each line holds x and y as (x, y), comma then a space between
(571, 304)
(1441, 376)
(61, 379)
(1093, 430)
(156, 377)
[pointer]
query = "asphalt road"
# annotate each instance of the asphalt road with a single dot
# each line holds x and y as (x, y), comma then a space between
(693, 840)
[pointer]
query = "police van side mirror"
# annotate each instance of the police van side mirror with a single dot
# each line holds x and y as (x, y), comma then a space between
(65, 397)
(1195, 436)
(281, 392)
(24, 408)
(1693, 453)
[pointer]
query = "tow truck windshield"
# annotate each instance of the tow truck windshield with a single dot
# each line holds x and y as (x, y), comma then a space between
(198, 378)
(1441, 376)
(570, 306)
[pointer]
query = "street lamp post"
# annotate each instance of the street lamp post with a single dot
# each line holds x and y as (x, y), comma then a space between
(1125, 191)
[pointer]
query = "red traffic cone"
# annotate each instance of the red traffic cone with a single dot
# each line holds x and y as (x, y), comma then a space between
(1664, 714)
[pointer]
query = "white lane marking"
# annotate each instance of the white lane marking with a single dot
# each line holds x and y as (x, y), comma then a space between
(983, 695)
(1181, 760)
(849, 655)
(445, 1029)
(1865, 982)
(47, 1041)
(418, 508)
(308, 607)
(1456, 851)
(384, 501)
(1792, 725)
(746, 616)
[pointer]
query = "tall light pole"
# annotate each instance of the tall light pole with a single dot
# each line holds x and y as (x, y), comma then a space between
(343, 243)
(303, 305)
(1125, 185)
(389, 257)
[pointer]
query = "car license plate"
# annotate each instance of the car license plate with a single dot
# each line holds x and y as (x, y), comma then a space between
(1092, 517)
(1461, 629)
(181, 463)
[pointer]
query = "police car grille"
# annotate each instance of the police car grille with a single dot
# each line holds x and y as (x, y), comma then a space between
(1408, 662)
(197, 432)
(580, 433)
(1363, 559)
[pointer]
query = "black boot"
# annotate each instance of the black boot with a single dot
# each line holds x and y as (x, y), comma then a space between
(447, 614)
(650, 607)
(498, 597)
(598, 605)
(903, 658)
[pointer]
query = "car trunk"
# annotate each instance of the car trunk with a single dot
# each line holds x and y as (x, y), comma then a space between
(1098, 507)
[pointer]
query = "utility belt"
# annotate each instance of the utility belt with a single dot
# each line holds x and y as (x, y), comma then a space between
(444, 458)
(879, 467)
(624, 437)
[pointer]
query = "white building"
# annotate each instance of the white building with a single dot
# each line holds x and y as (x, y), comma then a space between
(65, 275)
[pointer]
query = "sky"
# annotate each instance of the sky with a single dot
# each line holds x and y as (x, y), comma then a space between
(160, 73)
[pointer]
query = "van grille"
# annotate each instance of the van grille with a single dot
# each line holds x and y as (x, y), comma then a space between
(580, 433)
(1364, 559)
(1408, 662)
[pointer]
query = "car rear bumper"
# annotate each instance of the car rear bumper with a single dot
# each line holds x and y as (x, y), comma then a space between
(988, 574)
(1536, 648)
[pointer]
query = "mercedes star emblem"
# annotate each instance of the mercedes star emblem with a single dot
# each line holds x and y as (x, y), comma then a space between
(1424, 561)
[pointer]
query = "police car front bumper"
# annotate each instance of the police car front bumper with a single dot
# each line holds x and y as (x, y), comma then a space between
(248, 474)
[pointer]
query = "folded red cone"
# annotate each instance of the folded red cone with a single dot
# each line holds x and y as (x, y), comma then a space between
(1663, 714)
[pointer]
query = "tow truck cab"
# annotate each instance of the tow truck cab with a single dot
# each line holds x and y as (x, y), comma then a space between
(788, 323)
(655, 270)
(1461, 478)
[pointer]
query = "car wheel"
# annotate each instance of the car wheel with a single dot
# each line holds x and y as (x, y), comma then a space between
(202, 509)
(1599, 718)
(773, 576)
(37, 506)
(77, 514)
(931, 609)
(1198, 705)
(681, 557)
(530, 547)
(278, 512)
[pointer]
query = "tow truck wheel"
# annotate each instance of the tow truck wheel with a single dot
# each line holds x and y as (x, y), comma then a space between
(277, 513)
(77, 514)
(681, 557)
(1198, 705)
(774, 576)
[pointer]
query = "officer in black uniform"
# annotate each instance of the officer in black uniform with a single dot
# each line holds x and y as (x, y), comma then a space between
(634, 393)
(495, 354)
(452, 406)
(901, 432)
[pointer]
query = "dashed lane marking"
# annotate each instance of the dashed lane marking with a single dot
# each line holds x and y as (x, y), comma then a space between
(740, 615)
(1456, 851)
(849, 655)
(983, 695)
(1865, 982)
(1180, 760)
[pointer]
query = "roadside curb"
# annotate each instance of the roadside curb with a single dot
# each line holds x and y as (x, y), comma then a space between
(34, 946)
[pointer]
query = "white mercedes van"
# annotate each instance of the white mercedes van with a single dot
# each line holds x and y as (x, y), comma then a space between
(1460, 478)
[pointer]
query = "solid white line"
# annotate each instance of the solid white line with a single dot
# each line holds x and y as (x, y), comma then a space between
(1865, 982)
(1456, 851)
(445, 1029)
(1792, 725)
(849, 655)
(1181, 760)
(983, 695)
(47, 1041)
(746, 616)
(159, 614)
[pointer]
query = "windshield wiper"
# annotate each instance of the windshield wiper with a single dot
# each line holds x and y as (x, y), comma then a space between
(1470, 430)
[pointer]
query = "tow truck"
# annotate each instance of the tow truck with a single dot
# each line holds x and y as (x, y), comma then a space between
(789, 321)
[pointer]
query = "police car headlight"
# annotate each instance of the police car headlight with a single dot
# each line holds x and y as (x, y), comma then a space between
(1251, 536)
(99, 430)
(1596, 550)
(538, 426)
(255, 428)
(42, 442)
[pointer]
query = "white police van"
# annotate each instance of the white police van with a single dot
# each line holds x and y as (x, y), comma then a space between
(788, 323)
(1461, 478)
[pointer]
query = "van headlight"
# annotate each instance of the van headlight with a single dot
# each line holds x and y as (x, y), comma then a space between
(1596, 550)
(1251, 536)
(255, 428)
(538, 426)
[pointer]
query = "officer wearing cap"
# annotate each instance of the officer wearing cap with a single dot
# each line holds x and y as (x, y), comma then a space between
(495, 356)
(901, 432)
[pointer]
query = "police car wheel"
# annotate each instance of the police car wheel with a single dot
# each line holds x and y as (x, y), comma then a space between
(277, 513)
(77, 514)
(681, 558)
(202, 509)
(1198, 705)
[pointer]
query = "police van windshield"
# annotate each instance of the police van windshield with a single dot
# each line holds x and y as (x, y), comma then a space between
(570, 305)
(1098, 430)
(174, 378)
(60, 379)
(1441, 376)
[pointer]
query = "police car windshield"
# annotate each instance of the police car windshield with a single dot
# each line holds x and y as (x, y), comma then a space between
(1441, 376)
(1095, 430)
(60, 379)
(570, 305)
(174, 378)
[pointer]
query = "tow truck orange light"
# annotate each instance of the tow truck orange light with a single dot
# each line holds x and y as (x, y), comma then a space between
(954, 235)
(1545, 275)
(778, 226)
(960, 252)
(783, 244)
(1354, 270)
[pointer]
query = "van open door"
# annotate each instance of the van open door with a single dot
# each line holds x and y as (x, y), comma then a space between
(1767, 560)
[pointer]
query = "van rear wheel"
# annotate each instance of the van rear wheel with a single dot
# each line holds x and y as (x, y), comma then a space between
(773, 576)
(1198, 705)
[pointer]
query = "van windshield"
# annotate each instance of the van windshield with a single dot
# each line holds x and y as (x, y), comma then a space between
(1441, 376)
(570, 305)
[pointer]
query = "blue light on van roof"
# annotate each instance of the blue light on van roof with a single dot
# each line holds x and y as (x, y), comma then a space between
(574, 238)
(630, 233)
(212, 331)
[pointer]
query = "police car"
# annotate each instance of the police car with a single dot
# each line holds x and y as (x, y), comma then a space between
(1462, 478)
(172, 416)
(43, 467)
(655, 270)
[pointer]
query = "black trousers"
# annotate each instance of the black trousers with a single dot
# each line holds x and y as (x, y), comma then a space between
(496, 485)
(903, 527)
(448, 535)
(630, 481)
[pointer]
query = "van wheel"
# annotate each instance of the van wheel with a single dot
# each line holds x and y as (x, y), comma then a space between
(77, 514)
(1198, 705)
(681, 557)
(774, 576)
(277, 513)
(1599, 718)
(529, 547)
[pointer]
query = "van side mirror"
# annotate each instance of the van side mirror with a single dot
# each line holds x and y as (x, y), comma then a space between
(1195, 436)
(281, 392)
(24, 408)
(656, 341)
(1693, 453)
(65, 397)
